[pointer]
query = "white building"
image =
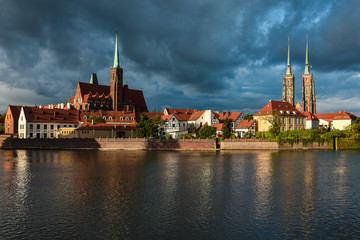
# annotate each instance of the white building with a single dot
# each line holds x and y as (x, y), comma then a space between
(339, 120)
(311, 122)
(175, 124)
(246, 126)
(199, 118)
(45, 123)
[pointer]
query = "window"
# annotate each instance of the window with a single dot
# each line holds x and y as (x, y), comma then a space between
(132, 118)
(58, 126)
(127, 118)
(283, 129)
(21, 126)
(104, 118)
(295, 120)
(31, 135)
(110, 118)
(45, 135)
(38, 126)
(22, 118)
(45, 127)
(51, 126)
(21, 135)
(173, 125)
(289, 120)
(65, 125)
(31, 127)
(52, 135)
(85, 117)
(121, 118)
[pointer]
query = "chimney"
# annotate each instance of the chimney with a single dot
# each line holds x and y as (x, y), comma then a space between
(58, 105)
(49, 106)
(68, 105)
(62, 106)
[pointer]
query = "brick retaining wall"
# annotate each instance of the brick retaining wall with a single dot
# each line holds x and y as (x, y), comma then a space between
(257, 144)
(107, 143)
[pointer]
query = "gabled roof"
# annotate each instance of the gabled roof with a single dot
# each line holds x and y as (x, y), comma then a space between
(219, 126)
(86, 88)
(105, 126)
(134, 97)
(232, 116)
(111, 116)
(34, 114)
(178, 111)
(195, 115)
(341, 115)
(245, 124)
(166, 117)
(310, 116)
(279, 108)
(15, 110)
(179, 117)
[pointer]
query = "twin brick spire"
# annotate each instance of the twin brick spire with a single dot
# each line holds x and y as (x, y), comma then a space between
(308, 88)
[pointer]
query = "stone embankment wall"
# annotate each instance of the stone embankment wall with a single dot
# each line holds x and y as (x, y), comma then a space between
(108, 143)
(257, 144)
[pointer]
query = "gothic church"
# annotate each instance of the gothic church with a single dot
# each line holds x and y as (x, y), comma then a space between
(308, 100)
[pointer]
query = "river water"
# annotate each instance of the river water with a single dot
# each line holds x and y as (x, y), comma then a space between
(179, 195)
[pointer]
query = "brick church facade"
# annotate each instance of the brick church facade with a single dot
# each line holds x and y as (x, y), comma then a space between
(308, 99)
(116, 97)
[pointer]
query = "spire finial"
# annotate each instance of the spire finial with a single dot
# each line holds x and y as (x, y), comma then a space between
(116, 55)
(307, 65)
(288, 69)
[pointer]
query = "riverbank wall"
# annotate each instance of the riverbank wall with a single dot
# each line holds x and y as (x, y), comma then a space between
(257, 144)
(6, 142)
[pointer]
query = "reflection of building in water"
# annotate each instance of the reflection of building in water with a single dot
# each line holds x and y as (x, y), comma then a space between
(23, 177)
(263, 184)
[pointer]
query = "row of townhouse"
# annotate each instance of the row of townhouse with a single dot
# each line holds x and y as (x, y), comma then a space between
(289, 118)
(52, 122)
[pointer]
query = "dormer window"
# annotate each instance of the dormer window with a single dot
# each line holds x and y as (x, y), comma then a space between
(288, 112)
(110, 118)
(104, 117)
(294, 112)
(132, 118)
(127, 118)
(281, 111)
(85, 117)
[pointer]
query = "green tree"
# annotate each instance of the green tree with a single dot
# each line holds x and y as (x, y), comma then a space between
(149, 128)
(207, 132)
(248, 117)
(96, 119)
(192, 128)
(226, 129)
(275, 126)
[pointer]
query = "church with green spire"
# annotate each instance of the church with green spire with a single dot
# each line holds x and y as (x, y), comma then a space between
(92, 96)
(288, 93)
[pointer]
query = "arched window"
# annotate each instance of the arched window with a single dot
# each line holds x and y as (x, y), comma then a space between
(110, 118)
(121, 118)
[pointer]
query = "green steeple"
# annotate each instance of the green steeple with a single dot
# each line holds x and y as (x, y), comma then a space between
(93, 79)
(288, 69)
(307, 65)
(116, 56)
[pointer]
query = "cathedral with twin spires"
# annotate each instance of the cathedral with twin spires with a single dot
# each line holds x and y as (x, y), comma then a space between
(308, 100)
(117, 97)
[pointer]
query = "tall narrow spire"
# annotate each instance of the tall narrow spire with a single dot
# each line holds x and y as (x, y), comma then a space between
(307, 65)
(288, 69)
(116, 56)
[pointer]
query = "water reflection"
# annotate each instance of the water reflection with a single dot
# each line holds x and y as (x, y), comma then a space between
(178, 195)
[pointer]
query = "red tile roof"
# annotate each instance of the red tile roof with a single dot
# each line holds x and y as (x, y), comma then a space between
(245, 124)
(179, 111)
(15, 110)
(195, 115)
(116, 116)
(279, 108)
(342, 115)
(134, 97)
(106, 126)
(34, 114)
(310, 116)
(219, 126)
(72, 99)
(232, 116)
(86, 88)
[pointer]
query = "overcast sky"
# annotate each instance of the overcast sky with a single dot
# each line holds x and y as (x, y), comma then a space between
(219, 55)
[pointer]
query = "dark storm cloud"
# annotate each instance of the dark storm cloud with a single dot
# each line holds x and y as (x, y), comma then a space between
(179, 52)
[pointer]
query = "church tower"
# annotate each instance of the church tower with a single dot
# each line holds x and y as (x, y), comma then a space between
(288, 81)
(116, 81)
(308, 87)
